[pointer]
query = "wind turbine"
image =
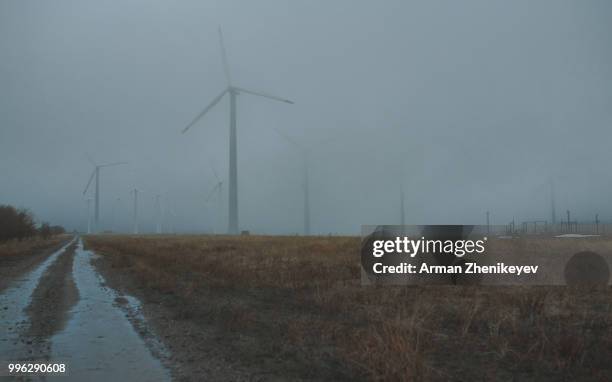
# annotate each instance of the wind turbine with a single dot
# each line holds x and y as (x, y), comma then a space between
(233, 92)
(135, 191)
(304, 153)
(96, 174)
(218, 190)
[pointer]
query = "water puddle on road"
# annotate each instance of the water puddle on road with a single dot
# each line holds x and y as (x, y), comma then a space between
(13, 301)
(99, 343)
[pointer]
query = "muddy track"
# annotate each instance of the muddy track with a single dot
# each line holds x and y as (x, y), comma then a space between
(63, 312)
(99, 343)
(51, 301)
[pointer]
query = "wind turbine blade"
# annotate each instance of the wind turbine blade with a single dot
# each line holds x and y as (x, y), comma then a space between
(264, 95)
(290, 140)
(210, 106)
(224, 57)
(112, 164)
(90, 180)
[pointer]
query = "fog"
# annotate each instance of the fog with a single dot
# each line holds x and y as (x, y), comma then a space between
(471, 105)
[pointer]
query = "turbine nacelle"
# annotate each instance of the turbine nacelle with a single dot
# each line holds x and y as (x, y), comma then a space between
(233, 91)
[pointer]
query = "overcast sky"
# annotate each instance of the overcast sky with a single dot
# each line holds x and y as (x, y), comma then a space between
(472, 105)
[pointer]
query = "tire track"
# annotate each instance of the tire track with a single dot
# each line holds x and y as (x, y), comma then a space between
(13, 302)
(49, 308)
(99, 343)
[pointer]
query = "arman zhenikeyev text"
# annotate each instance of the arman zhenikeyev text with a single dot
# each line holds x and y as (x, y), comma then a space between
(466, 268)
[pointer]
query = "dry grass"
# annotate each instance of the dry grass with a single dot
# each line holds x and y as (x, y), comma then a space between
(308, 290)
(14, 248)
(18, 257)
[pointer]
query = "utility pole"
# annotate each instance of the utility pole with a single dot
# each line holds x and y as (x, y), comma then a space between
(488, 224)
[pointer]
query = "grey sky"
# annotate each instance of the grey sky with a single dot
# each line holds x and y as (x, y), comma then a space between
(482, 101)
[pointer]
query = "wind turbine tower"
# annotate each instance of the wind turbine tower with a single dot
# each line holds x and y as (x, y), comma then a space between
(233, 92)
(552, 203)
(96, 174)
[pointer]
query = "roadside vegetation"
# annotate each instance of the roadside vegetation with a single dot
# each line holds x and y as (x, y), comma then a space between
(22, 244)
(299, 301)
(14, 250)
(19, 224)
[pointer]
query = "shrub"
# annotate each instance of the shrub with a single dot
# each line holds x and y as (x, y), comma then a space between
(16, 223)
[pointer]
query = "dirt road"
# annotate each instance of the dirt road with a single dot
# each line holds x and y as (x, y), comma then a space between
(62, 312)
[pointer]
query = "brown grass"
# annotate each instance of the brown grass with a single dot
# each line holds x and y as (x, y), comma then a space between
(309, 288)
(14, 248)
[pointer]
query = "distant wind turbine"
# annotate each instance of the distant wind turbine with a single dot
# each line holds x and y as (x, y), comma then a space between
(233, 92)
(96, 174)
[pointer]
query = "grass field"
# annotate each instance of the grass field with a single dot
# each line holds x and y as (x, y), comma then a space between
(13, 249)
(300, 301)
(18, 257)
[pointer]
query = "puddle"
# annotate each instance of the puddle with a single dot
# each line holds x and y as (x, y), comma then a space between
(99, 343)
(13, 301)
